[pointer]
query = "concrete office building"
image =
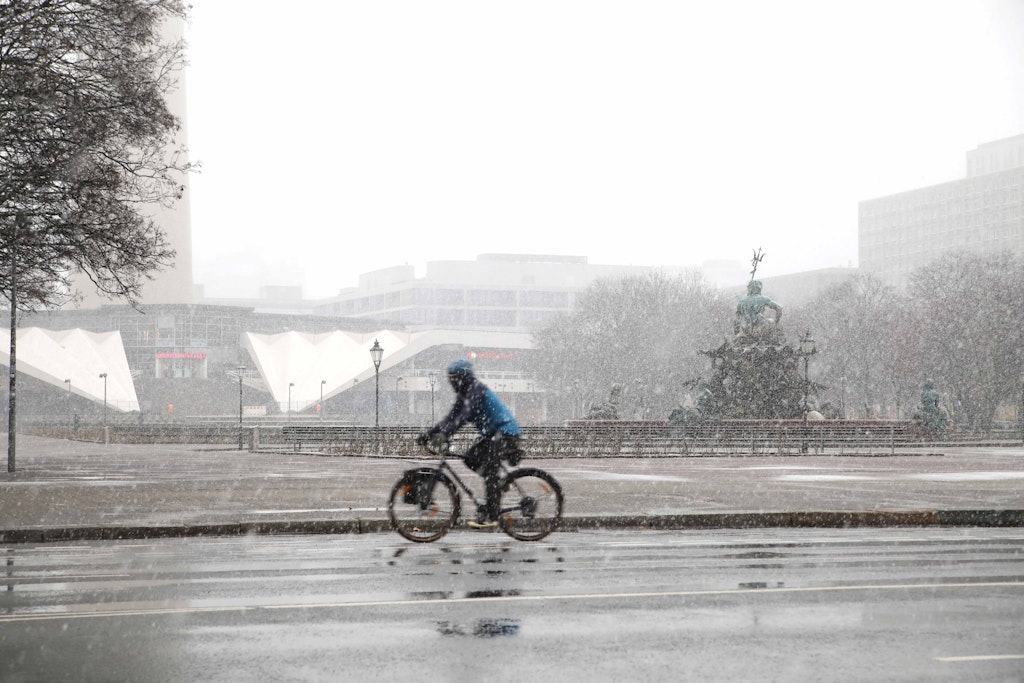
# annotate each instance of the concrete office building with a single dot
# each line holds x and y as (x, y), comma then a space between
(797, 289)
(507, 292)
(982, 213)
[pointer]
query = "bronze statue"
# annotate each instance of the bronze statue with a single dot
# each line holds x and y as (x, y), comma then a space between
(706, 409)
(750, 310)
(609, 410)
(932, 416)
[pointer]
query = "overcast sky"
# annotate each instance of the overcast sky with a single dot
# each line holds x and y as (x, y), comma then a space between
(341, 137)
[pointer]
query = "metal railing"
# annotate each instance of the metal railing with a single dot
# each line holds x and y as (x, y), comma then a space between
(574, 439)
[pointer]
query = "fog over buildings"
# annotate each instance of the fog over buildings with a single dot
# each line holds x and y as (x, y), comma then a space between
(667, 134)
(415, 175)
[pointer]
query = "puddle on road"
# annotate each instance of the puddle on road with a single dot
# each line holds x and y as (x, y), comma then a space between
(481, 628)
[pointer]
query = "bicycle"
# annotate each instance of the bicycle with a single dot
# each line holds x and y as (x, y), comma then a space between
(425, 503)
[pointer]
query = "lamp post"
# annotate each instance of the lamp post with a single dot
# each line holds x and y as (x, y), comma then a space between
(807, 349)
(1020, 408)
(842, 398)
(290, 385)
(398, 407)
(376, 354)
(104, 376)
(70, 421)
(241, 371)
(322, 383)
(433, 381)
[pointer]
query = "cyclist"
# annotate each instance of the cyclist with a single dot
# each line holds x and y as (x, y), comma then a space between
(499, 435)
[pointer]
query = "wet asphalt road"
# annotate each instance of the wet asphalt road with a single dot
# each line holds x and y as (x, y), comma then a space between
(784, 605)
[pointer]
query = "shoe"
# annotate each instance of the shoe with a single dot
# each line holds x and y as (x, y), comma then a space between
(482, 524)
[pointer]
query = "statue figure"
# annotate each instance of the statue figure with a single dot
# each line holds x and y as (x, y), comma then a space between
(609, 410)
(756, 373)
(706, 407)
(705, 410)
(750, 310)
(933, 416)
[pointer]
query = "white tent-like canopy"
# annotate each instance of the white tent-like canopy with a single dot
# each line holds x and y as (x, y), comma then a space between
(55, 356)
(301, 361)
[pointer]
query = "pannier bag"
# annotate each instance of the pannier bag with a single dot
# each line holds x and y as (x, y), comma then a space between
(420, 482)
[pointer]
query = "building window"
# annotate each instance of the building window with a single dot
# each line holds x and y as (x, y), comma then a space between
(544, 299)
(534, 319)
(491, 318)
(491, 297)
(449, 316)
(447, 297)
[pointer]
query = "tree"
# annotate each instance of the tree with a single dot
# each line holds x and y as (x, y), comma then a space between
(86, 142)
(972, 331)
(642, 333)
(867, 347)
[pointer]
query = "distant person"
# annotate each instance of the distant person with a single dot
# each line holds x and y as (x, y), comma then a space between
(499, 435)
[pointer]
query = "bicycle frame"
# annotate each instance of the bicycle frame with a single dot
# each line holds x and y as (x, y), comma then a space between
(444, 469)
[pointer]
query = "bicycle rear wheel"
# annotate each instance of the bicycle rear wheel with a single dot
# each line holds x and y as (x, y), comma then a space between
(418, 520)
(531, 504)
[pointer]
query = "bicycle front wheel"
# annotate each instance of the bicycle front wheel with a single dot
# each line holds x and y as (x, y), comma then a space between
(422, 520)
(531, 504)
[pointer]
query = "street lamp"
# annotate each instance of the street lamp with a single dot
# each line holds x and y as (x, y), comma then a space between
(70, 422)
(241, 371)
(433, 381)
(842, 397)
(807, 349)
(1020, 408)
(104, 376)
(290, 385)
(322, 383)
(376, 354)
(398, 407)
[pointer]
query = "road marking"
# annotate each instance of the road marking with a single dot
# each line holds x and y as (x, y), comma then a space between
(966, 476)
(615, 476)
(978, 658)
(503, 598)
(824, 477)
(931, 476)
(307, 510)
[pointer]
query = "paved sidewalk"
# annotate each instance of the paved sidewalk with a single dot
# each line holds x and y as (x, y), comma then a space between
(66, 490)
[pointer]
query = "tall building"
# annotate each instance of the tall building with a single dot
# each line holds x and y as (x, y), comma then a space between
(982, 212)
(1000, 155)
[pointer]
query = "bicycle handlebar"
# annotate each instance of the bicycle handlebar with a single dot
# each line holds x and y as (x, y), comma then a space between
(437, 444)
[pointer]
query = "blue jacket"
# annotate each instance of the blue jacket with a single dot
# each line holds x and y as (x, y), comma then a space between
(483, 408)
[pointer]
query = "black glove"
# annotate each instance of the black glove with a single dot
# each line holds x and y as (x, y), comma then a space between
(437, 443)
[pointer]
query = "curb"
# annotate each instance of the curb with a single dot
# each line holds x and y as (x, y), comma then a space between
(824, 520)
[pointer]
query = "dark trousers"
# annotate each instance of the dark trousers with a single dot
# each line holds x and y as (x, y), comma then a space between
(484, 458)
